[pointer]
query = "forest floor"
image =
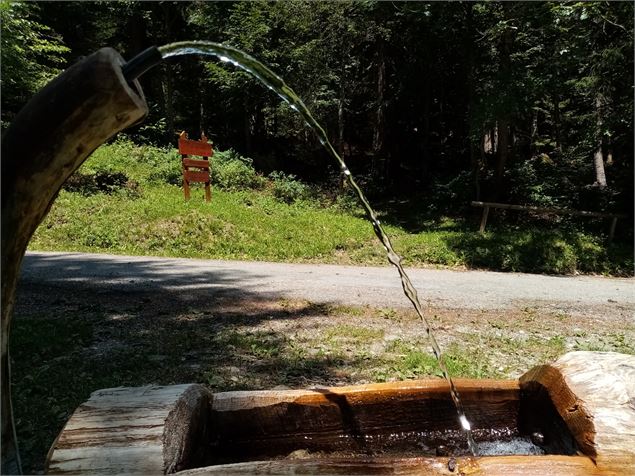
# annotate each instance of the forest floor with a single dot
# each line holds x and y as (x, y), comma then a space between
(74, 336)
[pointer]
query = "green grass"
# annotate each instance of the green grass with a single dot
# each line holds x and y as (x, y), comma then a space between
(64, 348)
(251, 224)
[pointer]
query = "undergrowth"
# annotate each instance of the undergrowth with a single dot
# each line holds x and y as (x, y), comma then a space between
(127, 199)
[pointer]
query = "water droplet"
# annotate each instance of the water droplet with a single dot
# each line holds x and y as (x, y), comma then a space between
(465, 423)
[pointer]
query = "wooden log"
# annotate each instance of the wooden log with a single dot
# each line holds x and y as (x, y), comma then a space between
(585, 396)
(551, 465)
(45, 143)
(594, 393)
(257, 424)
(143, 430)
(612, 229)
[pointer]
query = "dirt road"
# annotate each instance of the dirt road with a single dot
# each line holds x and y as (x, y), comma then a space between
(373, 286)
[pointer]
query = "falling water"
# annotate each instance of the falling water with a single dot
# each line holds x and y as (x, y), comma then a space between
(276, 84)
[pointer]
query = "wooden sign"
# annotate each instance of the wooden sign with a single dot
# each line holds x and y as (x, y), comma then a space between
(195, 170)
(194, 147)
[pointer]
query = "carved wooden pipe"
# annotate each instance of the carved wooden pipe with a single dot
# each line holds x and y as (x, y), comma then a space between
(46, 142)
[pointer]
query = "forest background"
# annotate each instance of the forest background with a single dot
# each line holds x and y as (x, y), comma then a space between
(439, 103)
(432, 105)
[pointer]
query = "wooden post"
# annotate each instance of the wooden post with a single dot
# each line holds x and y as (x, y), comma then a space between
(45, 143)
(612, 230)
(484, 219)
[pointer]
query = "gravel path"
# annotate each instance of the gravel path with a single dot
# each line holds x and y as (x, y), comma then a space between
(352, 285)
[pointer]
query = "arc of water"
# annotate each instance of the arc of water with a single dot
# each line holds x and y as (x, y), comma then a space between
(276, 84)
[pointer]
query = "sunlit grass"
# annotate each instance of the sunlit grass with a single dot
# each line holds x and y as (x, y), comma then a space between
(152, 218)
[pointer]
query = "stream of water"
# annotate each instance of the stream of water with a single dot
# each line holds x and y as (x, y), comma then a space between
(276, 83)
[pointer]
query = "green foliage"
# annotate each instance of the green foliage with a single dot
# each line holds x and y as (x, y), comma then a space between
(231, 171)
(32, 54)
(286, 188)
(102, 182)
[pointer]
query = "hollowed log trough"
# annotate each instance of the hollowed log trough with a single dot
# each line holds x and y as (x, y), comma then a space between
(581, 408)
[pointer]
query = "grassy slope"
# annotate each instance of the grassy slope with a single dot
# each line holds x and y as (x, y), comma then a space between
(253, 225)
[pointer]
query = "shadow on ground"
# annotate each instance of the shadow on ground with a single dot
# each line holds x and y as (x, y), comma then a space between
(73, 335)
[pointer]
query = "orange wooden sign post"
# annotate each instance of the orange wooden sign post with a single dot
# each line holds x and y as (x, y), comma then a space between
(195, 170)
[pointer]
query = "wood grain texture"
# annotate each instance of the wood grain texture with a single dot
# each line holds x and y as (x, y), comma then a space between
(142, 430)
(201, 164)
(315, 431)
(594, 393)
(491, 466)
(196, 176)
(45, 143)
(266, 424)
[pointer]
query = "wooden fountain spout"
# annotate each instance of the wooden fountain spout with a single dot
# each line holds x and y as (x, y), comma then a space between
(45, 143)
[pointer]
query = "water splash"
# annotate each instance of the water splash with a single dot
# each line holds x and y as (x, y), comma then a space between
(274, 82)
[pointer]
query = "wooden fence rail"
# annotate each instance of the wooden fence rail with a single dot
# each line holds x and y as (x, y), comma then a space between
(558, 211)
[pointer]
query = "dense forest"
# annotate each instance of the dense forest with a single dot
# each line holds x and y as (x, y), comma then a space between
(518, 102)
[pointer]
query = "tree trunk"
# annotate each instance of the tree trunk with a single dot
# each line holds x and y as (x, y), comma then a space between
(201, 108)
(504, 119)
(380, 120)
(556, 122)
(46, 142)
(425, 144)
(503, 153)
(167, 87)
(598, 157)
(475, 163)
(598, 161)
(247, 125)
(340, 125)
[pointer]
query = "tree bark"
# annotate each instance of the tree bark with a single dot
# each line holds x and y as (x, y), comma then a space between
(380, 113)
(598, 157)
(504, 119)
(167, 87)
(503, 153)
(247, 132)
(475, 163)
(556, 122)
(46, 142)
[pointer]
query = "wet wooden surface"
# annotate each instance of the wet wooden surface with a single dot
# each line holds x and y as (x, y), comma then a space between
(492, 466)
(248, 424)
(592, 392)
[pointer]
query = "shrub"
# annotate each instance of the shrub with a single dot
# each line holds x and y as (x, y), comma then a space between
(102, 181)
(235, 175)
(232, 171)
(286, 188)
(168, 170)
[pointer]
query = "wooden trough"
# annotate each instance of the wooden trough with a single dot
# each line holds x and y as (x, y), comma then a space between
(579, 410)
